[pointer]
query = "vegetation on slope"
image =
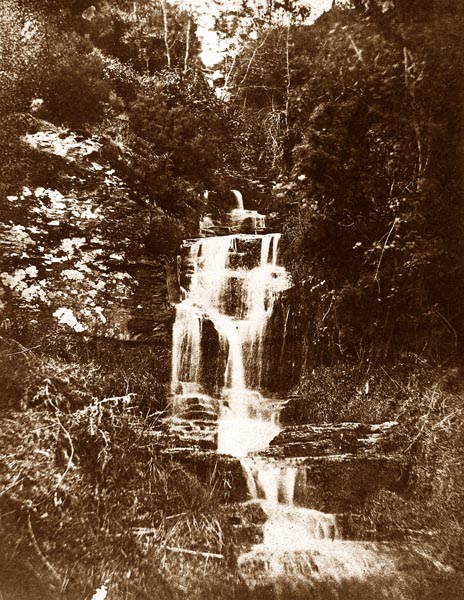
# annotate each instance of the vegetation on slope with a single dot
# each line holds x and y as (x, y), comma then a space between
(363, 116)
(368, 151)
(354, 126)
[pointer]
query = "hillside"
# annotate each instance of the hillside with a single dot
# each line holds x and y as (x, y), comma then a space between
(141, 304)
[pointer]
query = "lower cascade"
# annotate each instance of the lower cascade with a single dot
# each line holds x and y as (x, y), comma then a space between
(231, 284)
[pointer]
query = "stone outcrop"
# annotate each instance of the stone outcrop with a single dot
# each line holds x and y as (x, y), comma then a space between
(338, 467)
(73, 253)
(332, 439)
(343, 483)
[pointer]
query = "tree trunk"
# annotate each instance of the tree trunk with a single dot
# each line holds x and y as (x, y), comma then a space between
(187, 44)
(164, 9)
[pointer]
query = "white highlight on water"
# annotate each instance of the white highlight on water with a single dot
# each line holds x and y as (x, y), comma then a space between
(240, 214)
(256, 290)
(239, 198)
(238, 300)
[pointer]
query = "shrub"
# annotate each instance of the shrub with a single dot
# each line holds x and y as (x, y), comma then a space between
(74, 88)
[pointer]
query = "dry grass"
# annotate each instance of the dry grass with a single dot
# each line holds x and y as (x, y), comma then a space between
(73, 372)
(86, 496)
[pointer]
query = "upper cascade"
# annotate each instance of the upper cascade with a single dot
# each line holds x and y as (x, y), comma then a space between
(230, 283)
(233, 286)
(239, 219)
(239, 198)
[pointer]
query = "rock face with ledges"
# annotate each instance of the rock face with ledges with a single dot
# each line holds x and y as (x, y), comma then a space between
(74, 254)
(330, 439)
(343, 483)
(338, 466)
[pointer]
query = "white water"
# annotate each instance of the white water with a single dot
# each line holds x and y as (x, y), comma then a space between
(239, 198)
(235, 282)
(288, 527)
(238, 301)
(247, 421)
(239, 214)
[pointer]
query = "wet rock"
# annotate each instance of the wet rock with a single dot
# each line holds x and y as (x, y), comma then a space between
(150, 314)
(250, 246)
(339, 466)
(284, 351)
(246, 521)
(196, 407)
(186, 434)
(213, 358)
(343, 483)
(233, 298)
(242, 260)
(341, 438)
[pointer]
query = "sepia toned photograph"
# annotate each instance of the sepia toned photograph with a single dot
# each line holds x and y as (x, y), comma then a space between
(231, 299)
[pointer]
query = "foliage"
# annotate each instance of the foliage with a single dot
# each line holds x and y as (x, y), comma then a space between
(359, 119)
(111, 70)
(165, 236)
(182, 118)
(89, 481)
(74, 91)
(48, 68)
(134, 33)
(368, 151)
(74, 373)
(432, 422)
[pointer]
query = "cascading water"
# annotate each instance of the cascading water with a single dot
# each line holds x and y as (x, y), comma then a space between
(235, 281)
(231, 284)
(288, 527)
(239, 198)
(240, 214)
(234, 284)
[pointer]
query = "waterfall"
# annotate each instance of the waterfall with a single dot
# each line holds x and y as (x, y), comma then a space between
(240, 215)
(234, 284)
(287, 527)
(239, 198)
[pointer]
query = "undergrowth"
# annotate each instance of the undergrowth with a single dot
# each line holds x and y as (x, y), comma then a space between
(88, 496)
(427, 401)
(74, 372)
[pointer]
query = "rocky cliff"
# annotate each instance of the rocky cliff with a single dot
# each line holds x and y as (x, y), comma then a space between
(73, 251)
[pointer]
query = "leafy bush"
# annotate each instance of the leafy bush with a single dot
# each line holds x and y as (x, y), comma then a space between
(73, 86)
(166, 235)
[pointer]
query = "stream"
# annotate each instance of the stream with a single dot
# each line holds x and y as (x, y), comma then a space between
(231, 285)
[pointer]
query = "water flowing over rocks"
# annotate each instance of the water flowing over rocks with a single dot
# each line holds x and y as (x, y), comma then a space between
(232, 346)
(329, 570)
